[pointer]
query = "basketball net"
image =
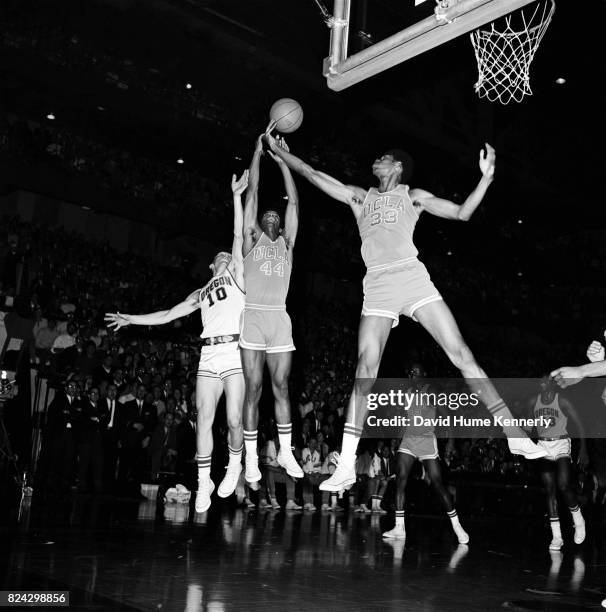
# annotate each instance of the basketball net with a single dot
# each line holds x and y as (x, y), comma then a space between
(505, 51)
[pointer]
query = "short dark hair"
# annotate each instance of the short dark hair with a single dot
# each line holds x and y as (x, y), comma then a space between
(405, 159)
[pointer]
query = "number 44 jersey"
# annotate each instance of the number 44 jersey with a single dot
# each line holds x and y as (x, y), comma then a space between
(221, 305)
(267, 274)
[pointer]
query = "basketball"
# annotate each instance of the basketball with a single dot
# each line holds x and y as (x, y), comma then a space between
(288, 115)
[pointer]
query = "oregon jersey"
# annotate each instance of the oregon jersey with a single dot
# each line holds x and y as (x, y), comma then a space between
(557, 419)
(221, 305)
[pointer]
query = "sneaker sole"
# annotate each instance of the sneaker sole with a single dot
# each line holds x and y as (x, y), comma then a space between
(324, 486)
(293, 474)
(221, 492)
(204, 508)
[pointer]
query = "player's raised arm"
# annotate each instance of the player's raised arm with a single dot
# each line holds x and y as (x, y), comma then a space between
(349, 194)
(251, 229)
(238, 186)
(568, 376)
(187, 306)
(446, 209)
(291, 218)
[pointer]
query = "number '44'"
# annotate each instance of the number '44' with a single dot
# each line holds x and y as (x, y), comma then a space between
(268, 270)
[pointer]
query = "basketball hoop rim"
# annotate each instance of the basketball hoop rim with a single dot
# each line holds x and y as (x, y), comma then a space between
(547, 13)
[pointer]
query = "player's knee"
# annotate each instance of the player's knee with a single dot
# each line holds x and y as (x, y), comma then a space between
(435, 482)
(280, 386)
(234, 421)
(253, 387)
(368, 366)
(205, 410)
(205, 421)
(461, 356)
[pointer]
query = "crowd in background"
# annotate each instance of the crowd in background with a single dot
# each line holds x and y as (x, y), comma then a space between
(125, 408)
(148, 429)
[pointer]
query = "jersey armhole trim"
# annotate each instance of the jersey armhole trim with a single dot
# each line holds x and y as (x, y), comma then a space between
(236, 282)
(254, 245)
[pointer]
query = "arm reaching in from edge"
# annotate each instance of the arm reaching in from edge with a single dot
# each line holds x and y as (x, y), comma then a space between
(567, 376)
(447, 209)
(117, 320)
(348, 194)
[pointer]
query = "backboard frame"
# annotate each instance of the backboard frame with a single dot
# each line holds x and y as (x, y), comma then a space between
(460, 17)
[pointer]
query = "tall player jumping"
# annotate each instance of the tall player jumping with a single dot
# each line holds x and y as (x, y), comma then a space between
(396, 282)
(221, 302)
(266, 330)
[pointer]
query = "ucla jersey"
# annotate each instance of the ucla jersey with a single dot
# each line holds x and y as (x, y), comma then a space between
(553, 412)
(221, 304)
(386, 226)
(267, 274)
(421, 407)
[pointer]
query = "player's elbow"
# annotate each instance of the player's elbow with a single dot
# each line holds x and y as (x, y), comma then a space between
(463, 216)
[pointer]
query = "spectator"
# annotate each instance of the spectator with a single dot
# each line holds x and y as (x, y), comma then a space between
(163, 447)
(88, 434)
(275, 474)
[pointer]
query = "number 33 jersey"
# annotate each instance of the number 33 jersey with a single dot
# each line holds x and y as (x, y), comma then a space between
(386, 226)
(267, 274)
(221, 305)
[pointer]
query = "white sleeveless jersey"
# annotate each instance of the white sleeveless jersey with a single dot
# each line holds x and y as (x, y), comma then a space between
(221, 304)
(557, 419)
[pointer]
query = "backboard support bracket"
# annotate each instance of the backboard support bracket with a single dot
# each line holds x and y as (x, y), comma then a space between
(452, 19)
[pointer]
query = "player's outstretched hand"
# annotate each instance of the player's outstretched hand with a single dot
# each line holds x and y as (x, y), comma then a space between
(116, 320)
(488, 161)
(595, 352)
(567, 376)
(278, 143)
(271, 140)
(238, 186)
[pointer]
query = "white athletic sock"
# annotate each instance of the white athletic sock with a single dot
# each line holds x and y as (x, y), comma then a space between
(285, 436)
(454, 518)
(577, 517)
(555, 528)
(203, 462)
(500, 409)
(399, 518)
(235, 456)
(250, 443)
(351, 438)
